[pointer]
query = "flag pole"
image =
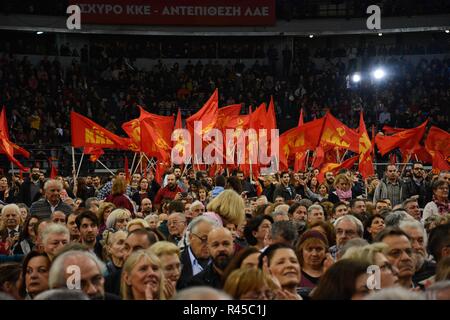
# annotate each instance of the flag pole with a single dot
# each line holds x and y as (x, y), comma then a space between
(79, 166)
(134, 159)
(307, 160)
(406, 163)
(343, 156)
(105, 167)
(73, 160)
(137, 166)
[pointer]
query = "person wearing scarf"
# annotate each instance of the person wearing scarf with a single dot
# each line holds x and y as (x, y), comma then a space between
(440, 205)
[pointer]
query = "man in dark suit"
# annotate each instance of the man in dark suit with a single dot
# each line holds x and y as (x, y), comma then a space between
(195, 257)
(30, 190)
(43, 208)
(11, 219)
(221, 250)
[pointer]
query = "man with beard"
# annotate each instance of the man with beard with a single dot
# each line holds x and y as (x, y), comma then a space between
(221, 249)
(418, 236)
(51, 202)
(91, 271)
(285, 189)
(87, 223)
(329, 180)
(417, 186)
(146, 207)
(30, 189)
(170, 192)
(400, 254)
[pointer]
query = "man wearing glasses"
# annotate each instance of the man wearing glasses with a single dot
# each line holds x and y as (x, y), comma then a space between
(51, 202)
(347, 227)
(417, 185)
(195, 257)
(400, 254)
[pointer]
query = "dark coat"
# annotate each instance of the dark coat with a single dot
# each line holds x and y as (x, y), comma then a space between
(24, 195)
(208, 277)
(186, 270)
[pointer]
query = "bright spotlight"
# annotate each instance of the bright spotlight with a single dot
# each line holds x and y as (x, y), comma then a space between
(380, 34)
(40, 32)
(447, 31)
(311, 36)
(379, 74)
(356, 77)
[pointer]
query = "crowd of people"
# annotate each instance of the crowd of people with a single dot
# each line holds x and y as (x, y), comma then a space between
(104, 84)
(195, 236)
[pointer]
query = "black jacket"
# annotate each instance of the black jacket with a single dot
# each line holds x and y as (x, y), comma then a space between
(24, 195)
(208, 277)
(410, 188)
(186, 270)
(281, 190)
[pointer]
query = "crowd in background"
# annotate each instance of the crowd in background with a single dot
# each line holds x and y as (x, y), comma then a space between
(193, 235)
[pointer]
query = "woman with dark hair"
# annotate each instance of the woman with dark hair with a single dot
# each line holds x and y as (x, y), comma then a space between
(327, 229)
(27, 238)
(143, 192)
(372, 226)
(246, 258)
(35, 271)
(344, 280)
(6, 195)
(10, 279)
(439, 206)
(257, 230)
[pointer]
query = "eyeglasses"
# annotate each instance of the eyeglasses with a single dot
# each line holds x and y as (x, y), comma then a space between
(203, 239)
(349, 233)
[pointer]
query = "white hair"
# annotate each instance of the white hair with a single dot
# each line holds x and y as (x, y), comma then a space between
(315, 206)
(201, 293)
(195, 204)
(56, 277)
(351, 218)
(408, 223)
(54, 228)
(13, 206)
(52, 181)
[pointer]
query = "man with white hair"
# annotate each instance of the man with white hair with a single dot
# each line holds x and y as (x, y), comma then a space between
(315, 214)
(90, 271)
(195, 210)
(51, 201)
(54, 237)
(10, 218)
(419, 240)
(347, 227)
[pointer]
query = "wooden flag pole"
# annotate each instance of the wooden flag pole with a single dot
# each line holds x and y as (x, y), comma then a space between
(106, 167)
(79, 166)
(134, 159)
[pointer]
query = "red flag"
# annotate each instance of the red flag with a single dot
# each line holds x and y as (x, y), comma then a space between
(318, 159)
(158, 134)
(300, 161)
(336, 133)
(407, 140)
(390, 130)
(271, 122)
(6, 146)
(365, 166)
(335, 167)
(227, 114)
(438, 145)
(298, 139)
(87, 133)
(178, 122)
(300, 119)
(207, 114)
(94, 153)
(53, 171)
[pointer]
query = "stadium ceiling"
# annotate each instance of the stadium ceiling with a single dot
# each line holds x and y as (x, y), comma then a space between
(318, 27)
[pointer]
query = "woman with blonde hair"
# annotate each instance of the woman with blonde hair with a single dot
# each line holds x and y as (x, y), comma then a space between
(250, 284)
(229, 206)
(374, 254)
(344, 189)
(118, 220)
(142, 277)
(169, 255)
(137, 224)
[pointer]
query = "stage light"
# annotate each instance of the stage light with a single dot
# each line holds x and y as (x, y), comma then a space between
(378, 74)
(380, 34)
(311, 36)
(356, 77)
(447, 31)
(40, 32)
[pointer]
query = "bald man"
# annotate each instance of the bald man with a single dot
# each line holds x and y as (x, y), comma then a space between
(221, 250)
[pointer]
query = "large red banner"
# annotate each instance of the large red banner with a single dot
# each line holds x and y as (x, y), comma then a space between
(178, 12)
